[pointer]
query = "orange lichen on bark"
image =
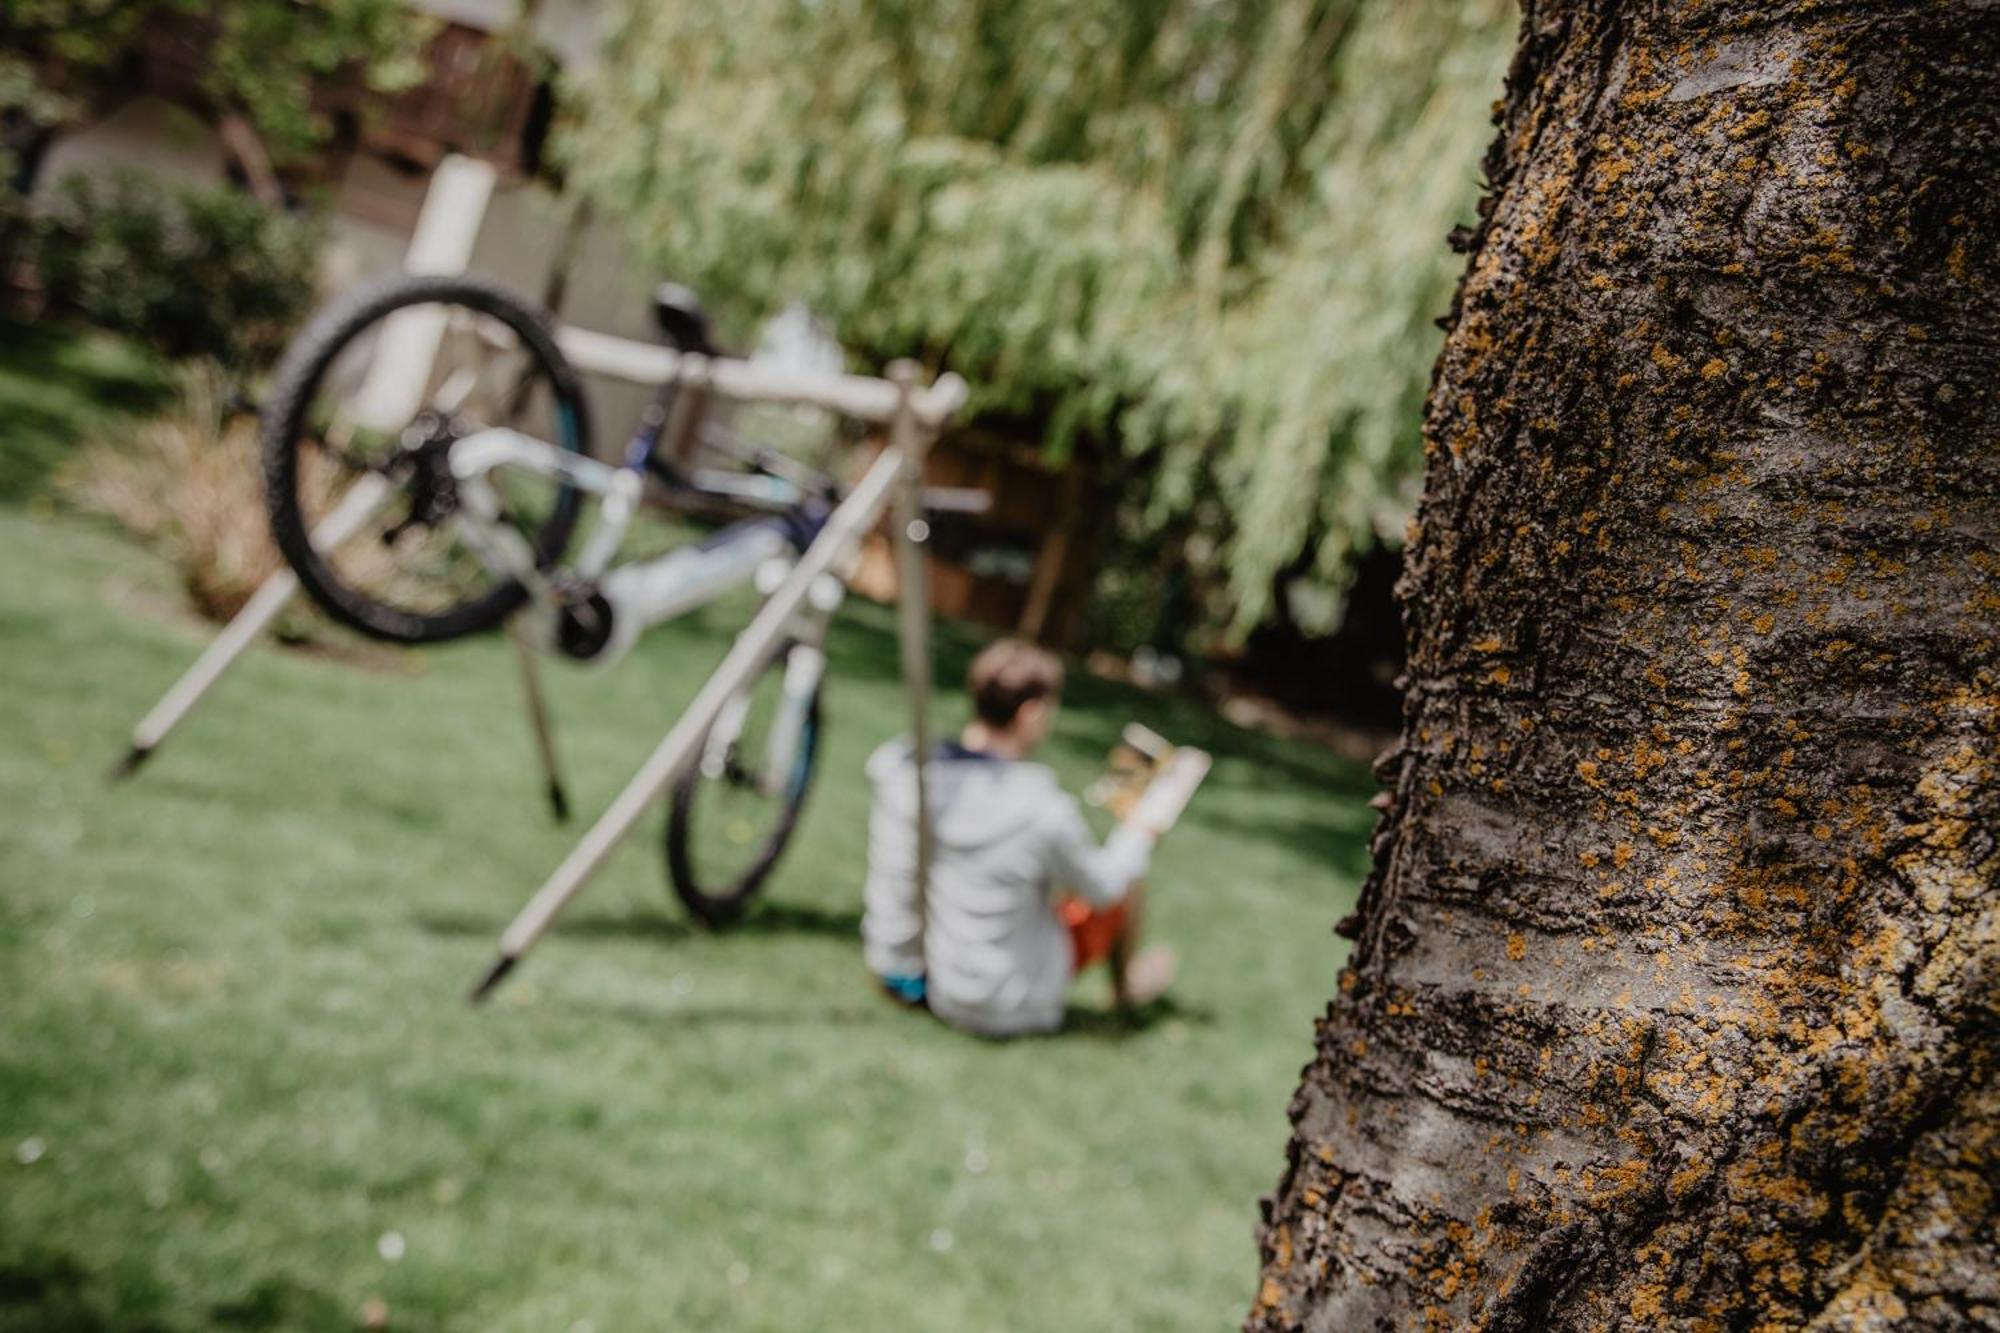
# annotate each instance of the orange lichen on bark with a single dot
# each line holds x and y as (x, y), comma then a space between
(1722, 1041)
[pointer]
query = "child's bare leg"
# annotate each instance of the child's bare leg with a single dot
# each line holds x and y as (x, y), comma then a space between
(1126, 943)
(1118, 962)
(1138, 976)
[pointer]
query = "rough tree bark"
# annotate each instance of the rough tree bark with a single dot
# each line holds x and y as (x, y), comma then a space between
(1674, 996)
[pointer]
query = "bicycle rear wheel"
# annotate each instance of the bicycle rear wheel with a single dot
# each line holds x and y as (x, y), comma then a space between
(339, 411)
(732, 815)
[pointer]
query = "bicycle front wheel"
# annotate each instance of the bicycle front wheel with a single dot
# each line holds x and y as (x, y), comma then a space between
(345, 405)
(736, 807)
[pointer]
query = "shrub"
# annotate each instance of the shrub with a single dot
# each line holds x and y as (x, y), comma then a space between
(193, 270)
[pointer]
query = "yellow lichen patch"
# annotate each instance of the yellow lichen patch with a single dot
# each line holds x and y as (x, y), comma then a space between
(1646, 757)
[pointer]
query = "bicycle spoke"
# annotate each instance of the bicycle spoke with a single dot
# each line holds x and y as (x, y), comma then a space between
(494, 358)
(453, 392)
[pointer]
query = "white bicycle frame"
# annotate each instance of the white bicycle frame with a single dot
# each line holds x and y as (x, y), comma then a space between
(647, 593)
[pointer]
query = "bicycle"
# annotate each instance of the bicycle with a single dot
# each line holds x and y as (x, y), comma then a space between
(423, 508)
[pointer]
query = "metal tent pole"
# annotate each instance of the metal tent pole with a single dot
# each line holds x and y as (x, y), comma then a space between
(361, 503)
(911, 442)
(539, 720)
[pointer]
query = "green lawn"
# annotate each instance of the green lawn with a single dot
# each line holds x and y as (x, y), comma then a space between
(54, 384)
(240, 1087)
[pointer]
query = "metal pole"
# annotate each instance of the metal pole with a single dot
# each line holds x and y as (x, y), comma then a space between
(361, 503)
(538, 719)
(856, 515)
(447, 229)
(911, 441)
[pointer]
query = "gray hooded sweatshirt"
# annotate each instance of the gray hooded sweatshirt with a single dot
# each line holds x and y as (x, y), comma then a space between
(995, 956)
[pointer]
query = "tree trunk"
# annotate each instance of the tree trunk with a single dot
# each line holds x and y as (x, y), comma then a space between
(1676, 987)
(246, 149)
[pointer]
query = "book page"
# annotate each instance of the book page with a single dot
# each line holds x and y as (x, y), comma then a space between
(1169, 792)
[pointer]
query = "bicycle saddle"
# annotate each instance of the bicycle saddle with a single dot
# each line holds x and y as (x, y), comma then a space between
(683, 323)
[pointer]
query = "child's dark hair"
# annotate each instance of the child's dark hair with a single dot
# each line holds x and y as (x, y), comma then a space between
(1008, 673)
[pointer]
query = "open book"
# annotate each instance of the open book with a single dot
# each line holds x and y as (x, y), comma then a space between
(1150, 780)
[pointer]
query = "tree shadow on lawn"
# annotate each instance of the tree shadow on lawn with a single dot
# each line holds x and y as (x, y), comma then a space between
(1102, 1025)
(774, 1015)
(50, 1290)
(57, 385)
(775, 919)
(1120, 1025)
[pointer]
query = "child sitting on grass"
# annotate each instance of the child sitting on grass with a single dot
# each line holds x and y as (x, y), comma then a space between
(999, 944)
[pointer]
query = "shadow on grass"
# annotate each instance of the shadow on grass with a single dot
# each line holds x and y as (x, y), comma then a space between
(772, 1015)
(1118, 1025)
(774, 919)
(1079, 1024)
(631, 926)
(58, 386)
(764, 919)
(51, 1291)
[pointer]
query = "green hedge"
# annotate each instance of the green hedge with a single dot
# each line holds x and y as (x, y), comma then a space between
(192, 270)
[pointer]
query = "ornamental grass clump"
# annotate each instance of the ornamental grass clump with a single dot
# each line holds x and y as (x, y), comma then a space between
(187, 482)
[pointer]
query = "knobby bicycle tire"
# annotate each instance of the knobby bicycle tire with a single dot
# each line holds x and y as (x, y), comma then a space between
(306, 362)
(721, 905)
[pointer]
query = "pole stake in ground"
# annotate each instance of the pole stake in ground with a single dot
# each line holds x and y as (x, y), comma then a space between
(912, 444)
(362, 502)
(539, 720)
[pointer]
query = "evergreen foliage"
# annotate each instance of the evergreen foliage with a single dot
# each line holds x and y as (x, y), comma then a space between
(192, 270)
(1207, 235)
(266, 57)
